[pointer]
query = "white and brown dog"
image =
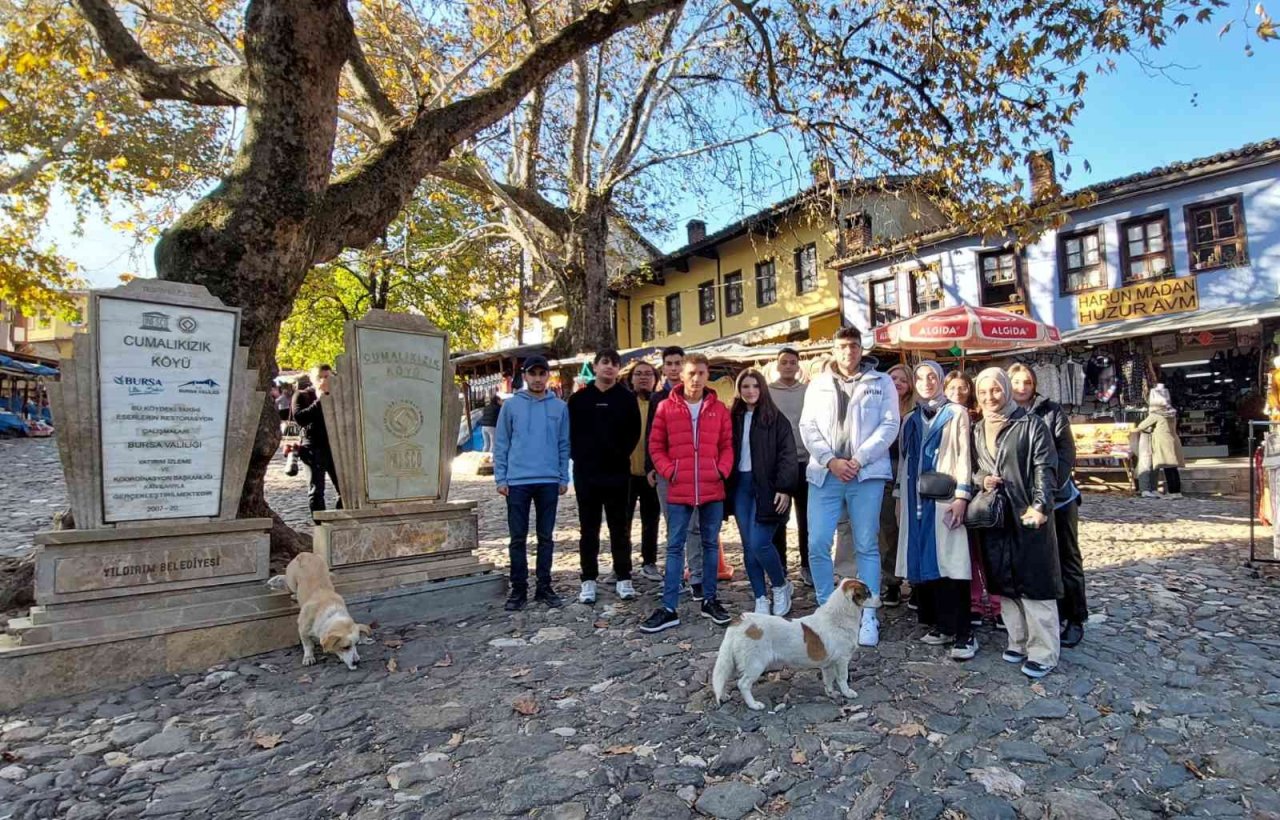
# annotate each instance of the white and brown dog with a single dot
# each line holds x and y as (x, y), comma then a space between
(824, 640)
(322, 613)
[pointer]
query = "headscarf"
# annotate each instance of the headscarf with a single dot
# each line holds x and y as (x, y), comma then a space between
(905, 404)
(933, 404)
(1160, 402)
(994, 421)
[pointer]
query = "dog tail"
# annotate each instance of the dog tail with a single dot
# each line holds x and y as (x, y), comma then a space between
(725, 669)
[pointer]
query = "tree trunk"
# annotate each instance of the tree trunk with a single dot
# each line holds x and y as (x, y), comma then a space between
(250, 241)
(586, 282)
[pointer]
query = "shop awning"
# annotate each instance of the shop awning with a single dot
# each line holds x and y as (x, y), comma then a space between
(759, 335)
(1218, 318)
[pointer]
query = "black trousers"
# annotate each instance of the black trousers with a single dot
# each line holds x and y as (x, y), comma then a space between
(1072, 606)
(800, 501)
(320, 462)
(944, 605)
(1172, 480)
(650, 513)
(610, 503)
(889, 538)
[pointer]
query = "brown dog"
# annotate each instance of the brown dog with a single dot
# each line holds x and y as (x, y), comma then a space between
(323, 614)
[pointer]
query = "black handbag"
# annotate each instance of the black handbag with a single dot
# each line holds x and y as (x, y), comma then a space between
(985, 511)
(936, 486)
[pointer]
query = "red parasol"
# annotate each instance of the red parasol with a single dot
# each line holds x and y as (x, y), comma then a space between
(967, 328)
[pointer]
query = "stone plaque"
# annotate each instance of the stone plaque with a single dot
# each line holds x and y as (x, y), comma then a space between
(114, 570)
(401, 378)
(164, 380)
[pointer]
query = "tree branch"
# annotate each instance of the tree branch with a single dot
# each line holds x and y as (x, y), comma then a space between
(46, 157)
(365, 82)
(203, 85)
(524, 198)
(693, 152)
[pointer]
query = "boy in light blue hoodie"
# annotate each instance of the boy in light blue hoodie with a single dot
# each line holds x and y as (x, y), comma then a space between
(531, 466)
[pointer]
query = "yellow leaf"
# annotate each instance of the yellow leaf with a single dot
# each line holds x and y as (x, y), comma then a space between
(118, 164)
(525, 705)
(909, 730)
(268, 741)
(26, 62)
(798, 757)
(392, 665)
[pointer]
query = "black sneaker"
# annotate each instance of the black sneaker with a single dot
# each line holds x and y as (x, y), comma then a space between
(662, 618)
(1000, 627)
(719, 615)
(912, 605)
(516, 600)
(1072, 634)
(975, 619)
(892, 596)
(1035, 670)
(696, 591)
(964, 650)
(548, 596)
(1012, 656)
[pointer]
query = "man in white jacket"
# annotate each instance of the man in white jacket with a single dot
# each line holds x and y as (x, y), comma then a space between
(850, 418)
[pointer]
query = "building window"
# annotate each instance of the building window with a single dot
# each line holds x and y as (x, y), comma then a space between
(806, 268)
(1216, 235)
(648, 328)
(766, 283)
(673, 313)
(1145, 251)
(926, 289)
(999, 277)
(884, 301)
(1081, 261)
(706, 303)
(733, 294)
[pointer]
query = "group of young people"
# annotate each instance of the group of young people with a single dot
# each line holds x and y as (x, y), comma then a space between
(961, 487)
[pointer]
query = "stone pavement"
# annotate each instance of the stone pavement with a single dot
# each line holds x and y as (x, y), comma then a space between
(1170, 708)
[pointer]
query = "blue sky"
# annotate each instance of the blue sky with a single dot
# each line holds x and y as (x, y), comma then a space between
(1211, 98)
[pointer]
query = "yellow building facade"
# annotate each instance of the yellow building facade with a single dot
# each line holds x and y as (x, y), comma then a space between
(49, 335)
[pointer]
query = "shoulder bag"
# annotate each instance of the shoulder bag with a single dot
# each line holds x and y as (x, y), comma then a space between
(936, 486)
(985, 510)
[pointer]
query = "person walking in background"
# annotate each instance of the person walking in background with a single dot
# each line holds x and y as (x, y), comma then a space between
(1073, 606)
(1160, 428)
(958, 388)
(692, 448)
(935, 483)
(764, 459)
(604, 426)
(531, 467)
(787, 392)
(313, 445)
(849, 420)
(892, 595)
(642, 488)
(489, 419)
(282, 394)
(672, 370)
(1014, 454)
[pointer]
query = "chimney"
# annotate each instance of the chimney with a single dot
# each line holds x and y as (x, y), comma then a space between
(1044, 179)
(823, 170)
(855, 233)
(697, 230)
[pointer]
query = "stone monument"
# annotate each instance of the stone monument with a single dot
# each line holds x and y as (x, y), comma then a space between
(392, 415)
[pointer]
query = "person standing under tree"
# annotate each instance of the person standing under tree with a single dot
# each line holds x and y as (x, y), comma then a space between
(1160, 429)
(531, 467)
(692, 448)
(850, 418)
(604, 426)
(642, 488)
(313, 444)
(788, 394)
(672, 368)
(889, 530)
(489, 420)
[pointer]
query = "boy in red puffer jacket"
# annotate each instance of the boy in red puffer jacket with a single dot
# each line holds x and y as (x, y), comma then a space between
(691, 445)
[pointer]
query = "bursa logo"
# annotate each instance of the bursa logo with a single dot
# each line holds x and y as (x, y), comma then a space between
(140, 385)
(203, 387)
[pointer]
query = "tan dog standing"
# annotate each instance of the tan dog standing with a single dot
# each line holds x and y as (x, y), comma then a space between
(323, 614)
(824, 640)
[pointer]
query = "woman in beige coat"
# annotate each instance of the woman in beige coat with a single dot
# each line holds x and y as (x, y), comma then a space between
(1160, 429)
(933, 546)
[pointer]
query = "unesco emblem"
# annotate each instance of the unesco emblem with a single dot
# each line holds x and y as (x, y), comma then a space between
(155, 320)
(187, 324)
(402, 419)
(403, 458)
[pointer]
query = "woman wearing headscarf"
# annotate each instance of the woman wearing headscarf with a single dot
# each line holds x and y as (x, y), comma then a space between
(958, 388)
(1073, 607)
(1160, 428)
(892, 596)
(1015, 457)
(933, 546)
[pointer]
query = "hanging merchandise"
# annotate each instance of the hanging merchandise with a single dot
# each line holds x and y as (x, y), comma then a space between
(1100, 377)
(1134, 382)
(1071, 376)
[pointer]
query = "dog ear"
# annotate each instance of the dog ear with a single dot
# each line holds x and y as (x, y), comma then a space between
(857, 591)
(365, 630)
(332, 640)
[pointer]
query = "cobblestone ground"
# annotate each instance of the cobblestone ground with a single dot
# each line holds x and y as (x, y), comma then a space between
(1170, 708)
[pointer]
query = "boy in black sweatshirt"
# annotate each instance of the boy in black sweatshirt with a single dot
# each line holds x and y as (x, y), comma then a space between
(604, 426)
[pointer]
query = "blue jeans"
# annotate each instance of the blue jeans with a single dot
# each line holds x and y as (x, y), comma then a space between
(710, 516)
(862, 499)
(758, 552)
(544, 498)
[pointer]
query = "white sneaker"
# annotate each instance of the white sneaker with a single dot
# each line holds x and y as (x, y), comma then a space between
(1150, 494)
(762, 605)
(1173, 495)
(651, 572)
(626, 591)
(588, 593)
(869, 634)
(782, 599)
